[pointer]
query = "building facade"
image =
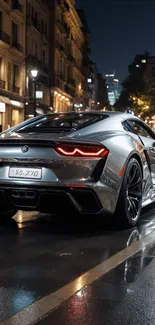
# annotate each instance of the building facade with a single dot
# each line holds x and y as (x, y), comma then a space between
(113, 86)
(102, 93)
(149, 73)
(37, 57)
(66, 56)
(98, 98)
(53, 38)
(86, 57)
(12, 62)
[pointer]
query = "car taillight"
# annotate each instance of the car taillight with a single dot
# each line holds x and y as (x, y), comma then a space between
(82, 151)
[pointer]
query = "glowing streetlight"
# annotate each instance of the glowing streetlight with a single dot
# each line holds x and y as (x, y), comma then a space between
(34, 73)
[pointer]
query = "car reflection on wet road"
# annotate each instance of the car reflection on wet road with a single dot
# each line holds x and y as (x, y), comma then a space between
(39, 255)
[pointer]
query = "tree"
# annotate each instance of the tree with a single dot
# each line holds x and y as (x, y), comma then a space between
(141, 105)
(134, 94)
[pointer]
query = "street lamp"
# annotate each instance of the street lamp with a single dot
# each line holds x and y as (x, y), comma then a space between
(34, 74)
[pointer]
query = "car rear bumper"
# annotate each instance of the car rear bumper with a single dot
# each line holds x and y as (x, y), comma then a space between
(52, 199)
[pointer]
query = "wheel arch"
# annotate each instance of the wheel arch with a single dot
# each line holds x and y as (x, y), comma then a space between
(136, 156)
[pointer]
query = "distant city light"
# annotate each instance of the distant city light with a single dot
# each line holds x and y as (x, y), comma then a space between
(137, 65)
(143, 61)
(109, 75)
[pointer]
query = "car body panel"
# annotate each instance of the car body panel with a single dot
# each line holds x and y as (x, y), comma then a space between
(102, 177)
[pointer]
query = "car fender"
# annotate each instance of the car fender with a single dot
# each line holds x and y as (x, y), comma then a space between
(108, 188)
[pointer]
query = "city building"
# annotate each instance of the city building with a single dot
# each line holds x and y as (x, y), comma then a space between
(86, 56)
(37, 58)
(67, 39)
(113, 86)
(92, 83)
(102, 93)
(12, 63)
(98, 98)
(149, 73)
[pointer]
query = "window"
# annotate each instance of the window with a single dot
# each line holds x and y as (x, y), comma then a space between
(62, 122)
(33, 13)
(42, 26)
(14, 33)
(15, 117)
(15, 74)
(9, 76)
(138, 128)
(29, 10)
(45, 29)
(44, 56)
(35, 49)
(36, 17)
(1, 62)
(1, 20)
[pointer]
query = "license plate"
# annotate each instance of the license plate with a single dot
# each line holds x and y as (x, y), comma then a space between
(22, 172)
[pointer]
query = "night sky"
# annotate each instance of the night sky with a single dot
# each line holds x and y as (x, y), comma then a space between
(120, 29)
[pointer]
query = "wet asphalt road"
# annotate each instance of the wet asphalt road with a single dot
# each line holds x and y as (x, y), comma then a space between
(40, 254)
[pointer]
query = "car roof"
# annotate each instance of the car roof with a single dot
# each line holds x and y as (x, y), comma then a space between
(110, 113)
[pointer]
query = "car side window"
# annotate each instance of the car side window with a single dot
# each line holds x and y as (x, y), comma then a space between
(138, 128)
(127, 127)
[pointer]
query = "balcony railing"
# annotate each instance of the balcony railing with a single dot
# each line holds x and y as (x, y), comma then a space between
(17, 46)
(5, 37)
(2, 84)
(15, 89)
(16, 5)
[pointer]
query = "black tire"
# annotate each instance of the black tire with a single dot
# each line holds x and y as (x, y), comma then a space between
(130, 198)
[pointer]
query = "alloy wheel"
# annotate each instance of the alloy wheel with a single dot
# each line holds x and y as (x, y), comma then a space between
(134, 191)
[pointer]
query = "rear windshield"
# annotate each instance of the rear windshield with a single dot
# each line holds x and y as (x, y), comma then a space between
(61, 122)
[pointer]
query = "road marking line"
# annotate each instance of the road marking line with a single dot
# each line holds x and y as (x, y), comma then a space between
(41, 308)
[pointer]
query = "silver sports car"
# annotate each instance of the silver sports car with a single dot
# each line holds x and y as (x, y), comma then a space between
(98, 163)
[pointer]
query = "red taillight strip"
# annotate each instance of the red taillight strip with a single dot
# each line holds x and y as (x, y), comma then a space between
(100, 152)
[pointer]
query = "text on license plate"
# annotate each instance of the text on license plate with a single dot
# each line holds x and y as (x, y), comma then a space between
(22, 172)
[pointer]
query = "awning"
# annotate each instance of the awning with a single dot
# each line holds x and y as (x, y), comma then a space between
(11, 102)
(5, 100)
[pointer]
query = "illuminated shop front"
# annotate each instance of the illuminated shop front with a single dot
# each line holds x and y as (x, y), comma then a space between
(61, 102)
(11, 112)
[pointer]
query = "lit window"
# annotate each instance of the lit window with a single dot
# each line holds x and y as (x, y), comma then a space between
(143, 61)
